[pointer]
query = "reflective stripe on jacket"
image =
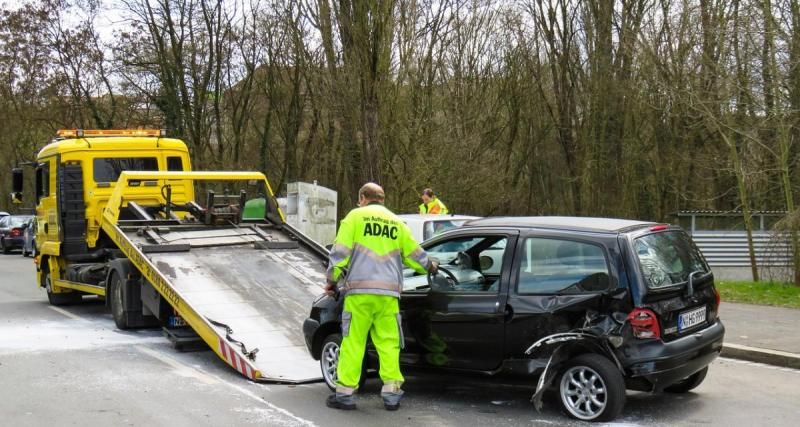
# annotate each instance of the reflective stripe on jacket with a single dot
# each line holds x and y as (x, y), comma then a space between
(434, 207)
(374, 244)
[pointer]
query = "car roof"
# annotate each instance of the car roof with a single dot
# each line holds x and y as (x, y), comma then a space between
(577, 223)
(434, 217)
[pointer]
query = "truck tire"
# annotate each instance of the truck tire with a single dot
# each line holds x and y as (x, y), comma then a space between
(329, 361)
(689, 383)
(63, 298)
(116, 302)
(591, 388)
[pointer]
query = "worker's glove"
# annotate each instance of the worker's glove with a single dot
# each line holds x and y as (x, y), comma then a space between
(433, 268)
(330, 288)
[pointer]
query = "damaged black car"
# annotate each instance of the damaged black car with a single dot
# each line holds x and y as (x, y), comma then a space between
(588, 307)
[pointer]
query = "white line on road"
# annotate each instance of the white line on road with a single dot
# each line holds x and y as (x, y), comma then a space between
(260, 399)
(208, 378)
(760, 365)
(65, 312)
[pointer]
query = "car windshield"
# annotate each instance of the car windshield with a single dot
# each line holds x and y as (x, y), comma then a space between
(434, 228)
(17, 221)
(668, 258)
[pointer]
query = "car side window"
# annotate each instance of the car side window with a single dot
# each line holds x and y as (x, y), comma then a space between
(474, 264)
(556, 266)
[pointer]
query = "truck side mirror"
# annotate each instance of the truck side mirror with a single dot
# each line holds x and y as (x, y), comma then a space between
(16, 185)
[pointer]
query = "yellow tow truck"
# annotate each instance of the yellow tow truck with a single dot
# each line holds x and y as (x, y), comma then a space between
(118, 216)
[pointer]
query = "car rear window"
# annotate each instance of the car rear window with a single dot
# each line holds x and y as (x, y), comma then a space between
(109, 169)
(17, 221)
(667, 258)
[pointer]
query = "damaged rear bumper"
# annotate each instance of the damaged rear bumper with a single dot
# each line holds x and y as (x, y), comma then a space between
(655, 365)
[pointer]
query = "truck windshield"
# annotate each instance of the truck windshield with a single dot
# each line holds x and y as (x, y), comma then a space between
(667, 258)
(109, 169)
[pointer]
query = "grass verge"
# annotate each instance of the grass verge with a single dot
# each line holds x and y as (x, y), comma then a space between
(763, 293)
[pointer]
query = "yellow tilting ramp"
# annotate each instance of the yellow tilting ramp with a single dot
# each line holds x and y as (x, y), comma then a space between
(245, 288)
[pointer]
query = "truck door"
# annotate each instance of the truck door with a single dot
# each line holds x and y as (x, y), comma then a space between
(46, 206)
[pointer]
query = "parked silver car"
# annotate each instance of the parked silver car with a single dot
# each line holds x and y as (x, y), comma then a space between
(11, 230)
(29, 238)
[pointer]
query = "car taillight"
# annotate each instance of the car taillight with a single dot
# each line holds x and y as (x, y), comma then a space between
(716, 297)
(644, 324)
(15, 232)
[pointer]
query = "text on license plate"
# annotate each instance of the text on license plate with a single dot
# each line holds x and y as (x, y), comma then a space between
(691, 318)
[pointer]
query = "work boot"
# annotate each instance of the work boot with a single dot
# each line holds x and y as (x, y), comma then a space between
(341, 401)
(391, 394)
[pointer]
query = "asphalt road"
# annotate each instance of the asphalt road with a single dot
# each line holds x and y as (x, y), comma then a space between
(70, 366)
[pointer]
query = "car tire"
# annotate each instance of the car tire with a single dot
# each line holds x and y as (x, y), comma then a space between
(689, 383)
(329, 361)
(116, 301)
(62, 298)
(6, 249)
(591, 388)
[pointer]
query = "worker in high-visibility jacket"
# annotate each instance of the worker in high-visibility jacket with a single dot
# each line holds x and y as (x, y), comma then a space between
(372, 244)
(431, 204)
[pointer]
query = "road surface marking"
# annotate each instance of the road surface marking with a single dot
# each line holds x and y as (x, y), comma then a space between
(65, 312)
(180, 368)
(208, 378)
(260, 399)
(760, 365)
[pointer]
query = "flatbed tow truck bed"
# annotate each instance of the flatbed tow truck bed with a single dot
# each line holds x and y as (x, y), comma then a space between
(244, 288)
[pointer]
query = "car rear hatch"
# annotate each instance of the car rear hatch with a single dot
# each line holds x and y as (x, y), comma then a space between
(677, 284)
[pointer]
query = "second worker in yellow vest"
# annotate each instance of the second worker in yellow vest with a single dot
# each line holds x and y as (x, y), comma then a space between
(431, 204)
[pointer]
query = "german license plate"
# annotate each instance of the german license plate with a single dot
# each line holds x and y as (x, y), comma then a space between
(691, 318)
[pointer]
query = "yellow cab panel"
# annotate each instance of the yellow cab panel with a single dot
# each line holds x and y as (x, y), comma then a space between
(101, 158)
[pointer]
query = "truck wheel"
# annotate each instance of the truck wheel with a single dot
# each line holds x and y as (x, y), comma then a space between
(689, 383)
(329, 361)
(591, 388)
(63, 298)
(114, 295)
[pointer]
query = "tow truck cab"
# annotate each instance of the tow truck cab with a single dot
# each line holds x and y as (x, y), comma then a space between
(74, 177)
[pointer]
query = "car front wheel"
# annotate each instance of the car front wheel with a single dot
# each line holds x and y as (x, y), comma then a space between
(329, 361)
(591, 388)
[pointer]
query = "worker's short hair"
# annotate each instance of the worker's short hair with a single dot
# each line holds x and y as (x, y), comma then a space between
(428, 192)
(372, 191)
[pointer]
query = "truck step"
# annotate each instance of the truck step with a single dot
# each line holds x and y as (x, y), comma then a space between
(185, 339)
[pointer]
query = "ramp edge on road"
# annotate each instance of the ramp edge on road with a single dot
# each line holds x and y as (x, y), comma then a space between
(761, 355)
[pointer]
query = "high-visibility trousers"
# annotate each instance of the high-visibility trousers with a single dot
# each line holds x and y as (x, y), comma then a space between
(379, 317)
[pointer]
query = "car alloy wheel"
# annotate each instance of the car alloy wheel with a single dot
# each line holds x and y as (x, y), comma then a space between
(583, 392)
(330, 362)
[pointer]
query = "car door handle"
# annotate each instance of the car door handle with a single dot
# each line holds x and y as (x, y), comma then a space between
(509, 314)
